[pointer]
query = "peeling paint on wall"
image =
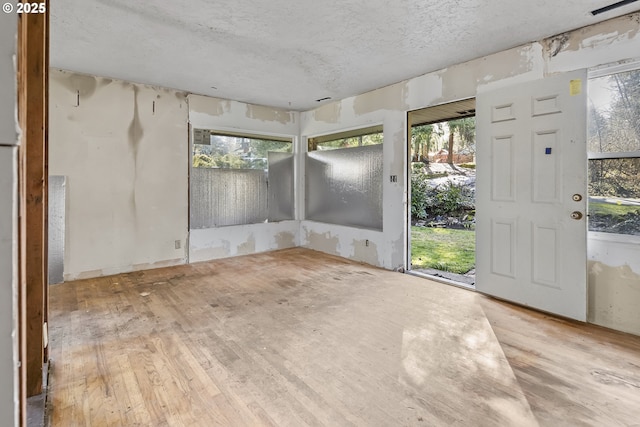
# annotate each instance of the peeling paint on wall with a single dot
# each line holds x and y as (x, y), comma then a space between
(556, 44)
(614, 297)
(269, 114)
(602, 43)
(594, 36)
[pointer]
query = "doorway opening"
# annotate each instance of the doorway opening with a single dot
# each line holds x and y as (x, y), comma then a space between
(441, 238)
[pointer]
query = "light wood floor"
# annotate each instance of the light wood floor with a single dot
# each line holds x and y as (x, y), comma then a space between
(296, 337)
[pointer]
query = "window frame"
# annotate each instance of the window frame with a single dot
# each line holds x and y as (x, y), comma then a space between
(241, 133)
(371, 129)
(595, 73)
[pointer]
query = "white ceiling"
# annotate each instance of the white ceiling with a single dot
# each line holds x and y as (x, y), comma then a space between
(287, 53)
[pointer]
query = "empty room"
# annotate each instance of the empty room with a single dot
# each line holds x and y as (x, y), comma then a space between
(221, 213)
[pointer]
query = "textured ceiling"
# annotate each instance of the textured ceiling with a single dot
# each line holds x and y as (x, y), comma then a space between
(288, 53)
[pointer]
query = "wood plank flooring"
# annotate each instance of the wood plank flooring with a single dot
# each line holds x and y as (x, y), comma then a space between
(297, 337)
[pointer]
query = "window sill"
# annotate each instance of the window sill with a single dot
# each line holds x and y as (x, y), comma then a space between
(613, 238)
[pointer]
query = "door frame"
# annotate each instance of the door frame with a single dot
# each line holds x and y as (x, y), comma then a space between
(407, 218)
(33, 297)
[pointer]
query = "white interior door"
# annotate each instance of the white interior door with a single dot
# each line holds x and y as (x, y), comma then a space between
(531, 188)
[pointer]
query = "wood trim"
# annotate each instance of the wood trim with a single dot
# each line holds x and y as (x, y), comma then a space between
(33, 169)
(45, 77)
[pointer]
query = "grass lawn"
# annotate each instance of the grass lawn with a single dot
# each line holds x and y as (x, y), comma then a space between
(602, 208)
(443, 249)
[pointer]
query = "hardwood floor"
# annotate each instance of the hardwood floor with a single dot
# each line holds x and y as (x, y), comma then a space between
(296, 337)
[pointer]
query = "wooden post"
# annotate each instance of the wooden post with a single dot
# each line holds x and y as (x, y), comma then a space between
(33, 110)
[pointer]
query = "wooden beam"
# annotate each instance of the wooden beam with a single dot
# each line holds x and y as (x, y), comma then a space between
(45, 224)
(32, 104)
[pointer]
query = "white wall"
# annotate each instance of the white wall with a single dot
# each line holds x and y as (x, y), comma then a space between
(225, 115)
(8, 224)
(612, 41)
(124, 152)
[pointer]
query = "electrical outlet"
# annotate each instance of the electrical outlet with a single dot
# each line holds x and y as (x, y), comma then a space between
(177, 244)
(393, 178)
(366, 242)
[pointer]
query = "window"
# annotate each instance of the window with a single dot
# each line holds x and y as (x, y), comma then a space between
(240, 179)
(614, 153)
(229, 151)
(344, 179)
(348, 139)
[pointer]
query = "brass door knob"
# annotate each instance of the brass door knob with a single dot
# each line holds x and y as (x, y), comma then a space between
(576, 215)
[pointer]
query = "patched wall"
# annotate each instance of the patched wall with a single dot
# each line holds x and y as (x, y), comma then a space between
(233, 116)
(612, 286)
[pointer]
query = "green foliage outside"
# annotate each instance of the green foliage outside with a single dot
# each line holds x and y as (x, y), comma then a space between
(443, 249)
(422, 138)
(354, 141)
(449, 200)
(601, 208)
(228, 153)
(614, 218)
(615, 127)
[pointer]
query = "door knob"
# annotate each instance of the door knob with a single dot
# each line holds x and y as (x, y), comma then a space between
(577, 197)
(576, 215)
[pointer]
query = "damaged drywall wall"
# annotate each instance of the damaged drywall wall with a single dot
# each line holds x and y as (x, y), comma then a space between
(223, 242)
(269, 114)
(602, 43)
(233, 116)
(614, 297)
(353, 243)
(214, 113)
(209, 106)
(329, 113)
(391, 97)
(614, 281)
(285, 240)
(123, 149)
